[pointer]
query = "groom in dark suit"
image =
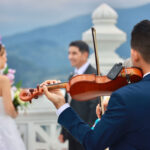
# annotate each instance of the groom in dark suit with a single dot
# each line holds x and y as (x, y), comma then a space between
(126, 122)
(78, 57)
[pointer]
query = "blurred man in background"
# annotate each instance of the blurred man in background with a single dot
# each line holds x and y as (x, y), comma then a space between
(78, 56)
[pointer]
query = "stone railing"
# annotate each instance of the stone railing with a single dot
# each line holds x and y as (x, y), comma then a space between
(39, 129)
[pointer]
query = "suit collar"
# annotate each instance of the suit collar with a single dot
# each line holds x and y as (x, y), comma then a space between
(87, 71)
(82, 69)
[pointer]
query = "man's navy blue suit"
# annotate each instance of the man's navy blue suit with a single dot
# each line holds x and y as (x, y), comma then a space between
(124, 126)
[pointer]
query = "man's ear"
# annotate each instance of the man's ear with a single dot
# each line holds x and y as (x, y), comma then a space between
(135, 55)
(86, 54)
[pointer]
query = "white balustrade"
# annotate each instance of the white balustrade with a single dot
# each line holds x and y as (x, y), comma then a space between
(38, 126)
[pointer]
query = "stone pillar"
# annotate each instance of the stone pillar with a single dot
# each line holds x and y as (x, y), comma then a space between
(109, 37)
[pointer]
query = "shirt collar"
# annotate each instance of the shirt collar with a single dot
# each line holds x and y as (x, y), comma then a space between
(82, 69)
(146, 74)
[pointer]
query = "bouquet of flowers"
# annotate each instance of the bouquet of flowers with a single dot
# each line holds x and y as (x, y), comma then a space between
(15, 90)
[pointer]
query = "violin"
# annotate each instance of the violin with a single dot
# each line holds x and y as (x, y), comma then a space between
(88, 86)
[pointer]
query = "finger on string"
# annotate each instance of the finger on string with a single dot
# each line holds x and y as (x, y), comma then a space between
(47, 82)
(51, 82)
(47, 93)
(44, 83)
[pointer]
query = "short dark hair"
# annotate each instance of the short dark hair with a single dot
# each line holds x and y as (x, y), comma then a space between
(140, 39)
(83, 47)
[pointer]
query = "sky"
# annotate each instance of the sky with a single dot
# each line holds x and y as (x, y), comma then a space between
(23, 15)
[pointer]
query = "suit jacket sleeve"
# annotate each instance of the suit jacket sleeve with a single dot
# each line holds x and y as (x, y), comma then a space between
(63, 131)
(113, 125)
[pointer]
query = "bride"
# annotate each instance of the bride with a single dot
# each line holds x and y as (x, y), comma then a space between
(9, 135)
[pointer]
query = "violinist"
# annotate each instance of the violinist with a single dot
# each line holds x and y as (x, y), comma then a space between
(126, 123)
(78, 56)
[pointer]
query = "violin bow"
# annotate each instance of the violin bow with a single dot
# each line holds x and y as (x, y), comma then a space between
(97, 62)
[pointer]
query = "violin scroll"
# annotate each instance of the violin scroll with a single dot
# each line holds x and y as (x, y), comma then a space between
(29, 94)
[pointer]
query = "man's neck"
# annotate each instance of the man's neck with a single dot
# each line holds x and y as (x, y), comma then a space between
(78, 67)
(146, 69)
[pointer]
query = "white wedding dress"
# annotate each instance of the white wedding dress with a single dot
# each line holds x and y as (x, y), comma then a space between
(10, 138)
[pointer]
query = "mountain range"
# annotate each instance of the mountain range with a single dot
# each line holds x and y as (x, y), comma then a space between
(41, 53)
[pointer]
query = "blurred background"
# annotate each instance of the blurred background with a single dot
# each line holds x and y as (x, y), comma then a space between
(37, 33)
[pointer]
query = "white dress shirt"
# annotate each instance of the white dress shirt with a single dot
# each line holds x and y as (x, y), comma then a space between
(146, 74)
(82, 69)
(62, 108)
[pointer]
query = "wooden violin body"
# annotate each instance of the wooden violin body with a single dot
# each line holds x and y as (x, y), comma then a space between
(88, 86)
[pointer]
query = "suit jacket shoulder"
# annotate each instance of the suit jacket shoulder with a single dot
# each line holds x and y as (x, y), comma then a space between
(90, 69)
